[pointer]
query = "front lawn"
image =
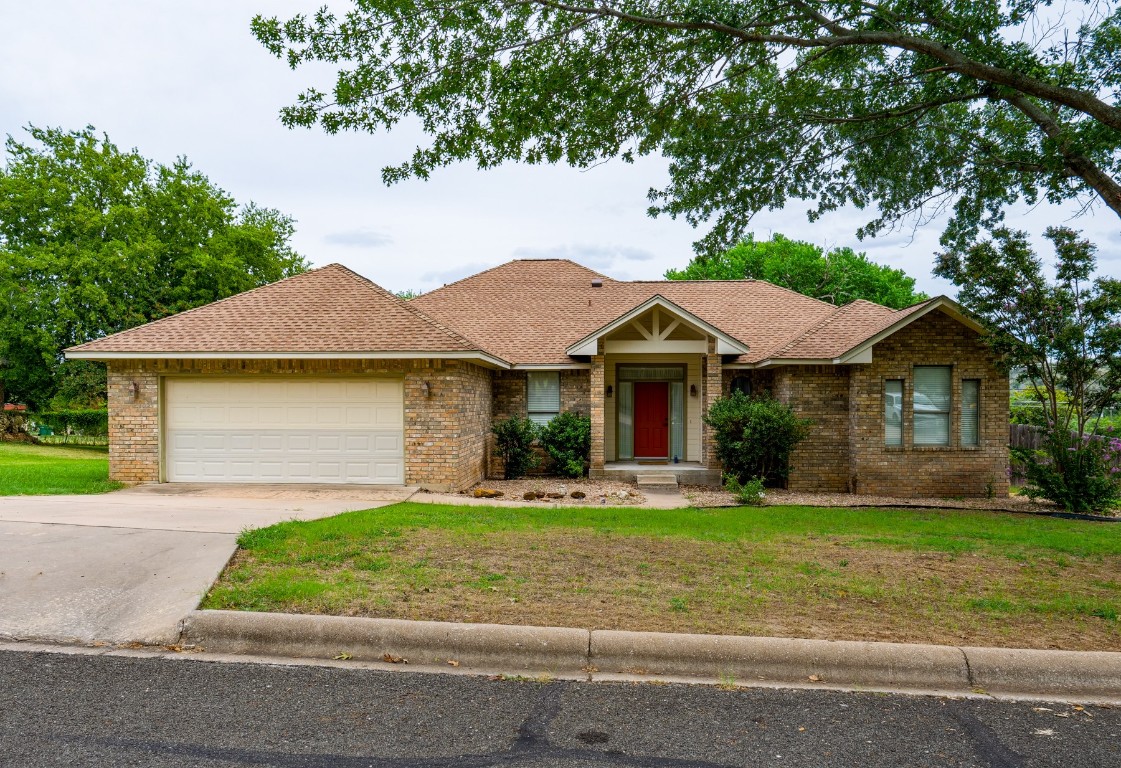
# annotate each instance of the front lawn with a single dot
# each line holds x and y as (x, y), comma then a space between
(965, 578)
(51, 469)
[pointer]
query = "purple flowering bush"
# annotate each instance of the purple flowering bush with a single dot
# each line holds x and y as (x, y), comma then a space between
(1080, 473)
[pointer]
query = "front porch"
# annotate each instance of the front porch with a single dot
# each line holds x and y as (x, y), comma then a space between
(686, 472)
(654, 373)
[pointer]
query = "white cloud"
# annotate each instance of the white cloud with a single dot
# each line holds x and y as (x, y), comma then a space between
(359, 238)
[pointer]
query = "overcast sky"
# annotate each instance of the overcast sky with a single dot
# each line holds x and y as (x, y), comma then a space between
(187, 78)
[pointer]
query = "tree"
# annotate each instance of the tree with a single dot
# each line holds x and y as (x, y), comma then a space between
(839, 276)
(912, 106)
(1065, 334)
(94, 240)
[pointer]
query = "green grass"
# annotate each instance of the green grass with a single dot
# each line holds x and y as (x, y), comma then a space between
(949, 531)
(37, 470)
(912, 575)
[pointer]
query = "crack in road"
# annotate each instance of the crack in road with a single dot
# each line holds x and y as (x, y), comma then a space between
(988, 746)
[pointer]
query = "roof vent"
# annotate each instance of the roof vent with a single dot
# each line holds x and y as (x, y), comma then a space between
(597, 283)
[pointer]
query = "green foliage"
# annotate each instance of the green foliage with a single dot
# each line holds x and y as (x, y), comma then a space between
(80, 384)
(749, 494)
(1080, 473)
(567, 438)
(515, 445)
(94, 240)
(838, 276)
(83, 422)
(891, 107)
(755, 436)
(1065, 334)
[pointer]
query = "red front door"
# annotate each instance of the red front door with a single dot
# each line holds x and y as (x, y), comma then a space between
(651, 419)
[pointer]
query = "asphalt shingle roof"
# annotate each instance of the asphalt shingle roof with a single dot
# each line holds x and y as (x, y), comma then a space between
(330, 309)
(522, 312)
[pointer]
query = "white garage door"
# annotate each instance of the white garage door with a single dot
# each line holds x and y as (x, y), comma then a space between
(284, 430)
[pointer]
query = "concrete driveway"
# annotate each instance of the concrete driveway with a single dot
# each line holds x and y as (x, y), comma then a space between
(127, 566)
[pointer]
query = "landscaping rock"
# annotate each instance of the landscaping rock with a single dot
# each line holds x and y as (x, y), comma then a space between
(539, 494)
(578, 495)
(487, 493)
(529, 496)
(555, 495)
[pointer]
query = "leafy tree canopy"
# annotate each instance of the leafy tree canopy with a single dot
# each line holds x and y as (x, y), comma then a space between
(909, 107)
(839, 276)
(94, 240)
(1065, 333)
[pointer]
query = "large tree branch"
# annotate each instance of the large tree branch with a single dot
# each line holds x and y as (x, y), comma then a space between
(1079, 164)
(842, 36)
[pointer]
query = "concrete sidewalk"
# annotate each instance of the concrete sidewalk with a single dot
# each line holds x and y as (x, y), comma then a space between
(648, 656)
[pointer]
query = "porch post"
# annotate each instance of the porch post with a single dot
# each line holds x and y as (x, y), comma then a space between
(713, 384)
(596, 408)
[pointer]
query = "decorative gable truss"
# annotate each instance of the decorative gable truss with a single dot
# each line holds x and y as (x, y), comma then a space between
(657, 326)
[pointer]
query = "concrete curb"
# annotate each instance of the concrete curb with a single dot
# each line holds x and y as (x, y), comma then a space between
(531, 651)
(614, 655)
(893, 666)
(1064, 674)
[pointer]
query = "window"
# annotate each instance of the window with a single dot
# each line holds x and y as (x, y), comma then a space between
(543, 396)
(932, 405)
(970, 412)
(893, 412)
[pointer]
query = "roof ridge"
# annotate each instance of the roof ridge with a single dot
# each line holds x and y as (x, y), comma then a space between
(746, 280)
(192, 310)
(469, 344)
(465, 278)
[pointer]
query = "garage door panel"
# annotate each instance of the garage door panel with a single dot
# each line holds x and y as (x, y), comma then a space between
(268, 430)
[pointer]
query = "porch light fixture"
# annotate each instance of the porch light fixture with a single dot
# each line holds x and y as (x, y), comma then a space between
(425, 389)
(610, 390)
(692, 390)
(135, 388)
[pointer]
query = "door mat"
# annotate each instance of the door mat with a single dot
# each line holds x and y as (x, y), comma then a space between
(653, 463)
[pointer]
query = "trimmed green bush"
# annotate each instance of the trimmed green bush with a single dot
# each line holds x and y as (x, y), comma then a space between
(93, 422)
(568, 440)
(515, 445)
(755, 436)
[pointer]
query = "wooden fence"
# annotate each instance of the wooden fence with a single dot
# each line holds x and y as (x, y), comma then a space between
(1025, 436)
(1028, 436)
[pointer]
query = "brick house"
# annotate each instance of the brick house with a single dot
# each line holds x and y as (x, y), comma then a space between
(326, 377)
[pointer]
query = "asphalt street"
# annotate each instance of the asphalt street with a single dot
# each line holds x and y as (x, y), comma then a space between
(80, 710)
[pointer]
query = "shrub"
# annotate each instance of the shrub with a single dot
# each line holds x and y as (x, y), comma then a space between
(1080, 473)
(755, 436)
(515, 445)
(750, 494)
(568, 440)
(81, 422)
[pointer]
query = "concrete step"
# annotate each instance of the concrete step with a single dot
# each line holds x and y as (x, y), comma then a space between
(657, 482)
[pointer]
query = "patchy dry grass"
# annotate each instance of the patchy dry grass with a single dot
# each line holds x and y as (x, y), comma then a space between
(901, 575)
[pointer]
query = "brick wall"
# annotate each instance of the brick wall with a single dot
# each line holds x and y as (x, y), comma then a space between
(909, 470)
(821, 393)
(445, 432)
(510, 400)
(134, 423)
